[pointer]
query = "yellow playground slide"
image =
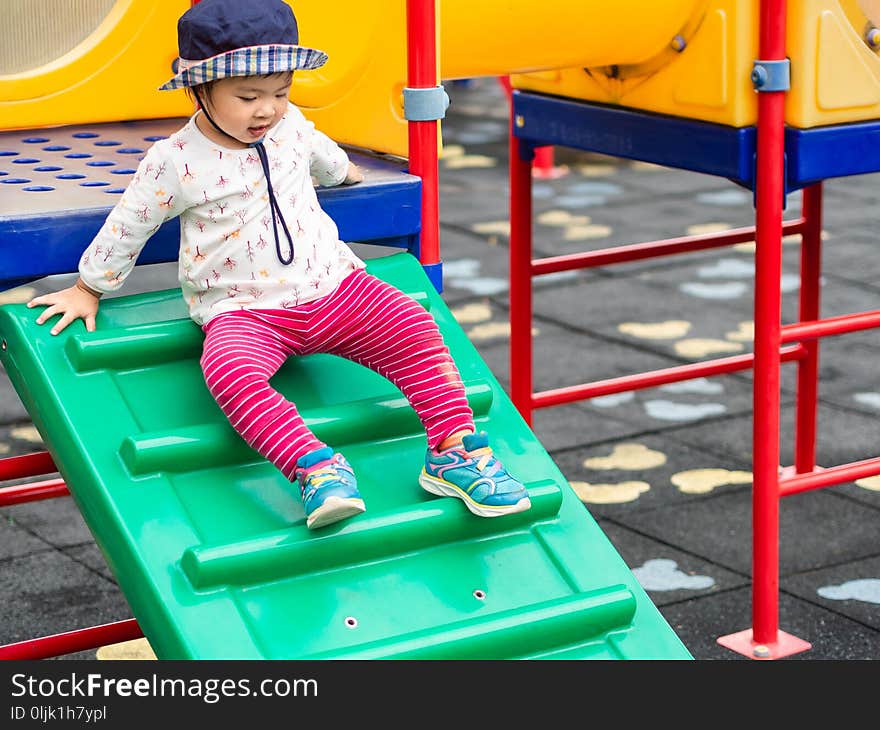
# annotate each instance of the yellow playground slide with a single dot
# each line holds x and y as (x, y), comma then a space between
(689, 58)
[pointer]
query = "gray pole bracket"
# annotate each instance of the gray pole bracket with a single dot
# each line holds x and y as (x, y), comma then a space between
(771, 75)
(425, 105)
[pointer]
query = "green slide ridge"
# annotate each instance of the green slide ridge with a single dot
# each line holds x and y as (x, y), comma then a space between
(208, 542)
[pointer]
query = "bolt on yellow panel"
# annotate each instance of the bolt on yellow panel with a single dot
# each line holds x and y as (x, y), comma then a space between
(704, 73)
(701, 72)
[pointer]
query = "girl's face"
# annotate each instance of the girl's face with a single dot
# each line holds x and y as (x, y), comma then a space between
(245, 107)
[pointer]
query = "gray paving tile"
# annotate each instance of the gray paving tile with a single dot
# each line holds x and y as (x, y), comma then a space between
(635, 476)
(19, 438)
(49, 593)
(92, 557)
(11, 408)
(472, 266)
(852, 589)
(569, 426)
(16, 541)
(56, 521)
(699, 623)
(816, 529)
(699, 400)
(466, 199)
(843, 437)
(669, 575)
(603, 306)
(669, 180)
(851, 253)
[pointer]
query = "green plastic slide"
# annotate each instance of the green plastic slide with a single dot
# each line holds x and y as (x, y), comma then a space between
(208, 540)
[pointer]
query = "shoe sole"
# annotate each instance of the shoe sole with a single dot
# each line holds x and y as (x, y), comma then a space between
(445, 489)
(333, 510)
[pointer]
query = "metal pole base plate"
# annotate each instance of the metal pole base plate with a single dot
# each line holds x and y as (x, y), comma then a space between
(743, 643)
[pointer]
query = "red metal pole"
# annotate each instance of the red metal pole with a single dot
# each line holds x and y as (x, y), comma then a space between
(423, 138)
(26, 465)
(808, 367)
(520, 278)
(651, 249)
(653, 378)
(768, 260)
(33, 492)
(830, 326)
(764, 640)
(792, 483)
(47, 647)
(542, 166)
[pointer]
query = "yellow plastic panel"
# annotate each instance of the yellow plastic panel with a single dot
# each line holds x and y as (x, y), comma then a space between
(689, 58)
(357, 97)
(627, 53)
(706, 79)
(835, 75)
(862, 13)
(112, 75)
(496, 37)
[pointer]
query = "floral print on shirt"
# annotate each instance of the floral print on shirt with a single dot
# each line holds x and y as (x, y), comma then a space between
(228, 258)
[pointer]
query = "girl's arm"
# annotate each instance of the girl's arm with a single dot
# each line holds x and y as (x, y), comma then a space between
(152, 197)
(328, 163)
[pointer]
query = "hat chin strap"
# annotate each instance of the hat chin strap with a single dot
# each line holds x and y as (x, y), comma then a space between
(214, 124)
(273, 202)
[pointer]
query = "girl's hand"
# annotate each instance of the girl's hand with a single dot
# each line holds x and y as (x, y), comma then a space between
(354, 175)
(76, 302)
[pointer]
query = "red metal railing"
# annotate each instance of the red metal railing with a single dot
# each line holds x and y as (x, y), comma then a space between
(28, 465)
(70, 642)
(764, 640)
(543, 167)
(769, 192)
(421, 58)
(44, 647)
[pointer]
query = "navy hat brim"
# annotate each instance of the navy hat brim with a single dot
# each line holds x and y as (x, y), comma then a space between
(250, 61)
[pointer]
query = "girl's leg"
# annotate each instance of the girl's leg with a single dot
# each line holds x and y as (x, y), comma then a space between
(382, 328)
(373, 323)
(241, 352)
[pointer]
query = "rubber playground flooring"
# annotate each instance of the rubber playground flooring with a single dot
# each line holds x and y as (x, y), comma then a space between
(665, 471)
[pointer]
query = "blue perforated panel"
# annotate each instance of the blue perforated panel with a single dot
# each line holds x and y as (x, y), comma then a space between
(57, 186)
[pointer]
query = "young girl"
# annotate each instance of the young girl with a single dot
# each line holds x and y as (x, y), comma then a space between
(263, 270)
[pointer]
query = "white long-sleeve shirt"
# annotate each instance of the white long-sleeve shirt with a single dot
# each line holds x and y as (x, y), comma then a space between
(228, 260)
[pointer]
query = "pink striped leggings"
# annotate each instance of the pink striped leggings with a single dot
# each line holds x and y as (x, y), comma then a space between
(363, 319)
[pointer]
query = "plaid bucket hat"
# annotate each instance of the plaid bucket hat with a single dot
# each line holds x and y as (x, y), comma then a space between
(217, 39)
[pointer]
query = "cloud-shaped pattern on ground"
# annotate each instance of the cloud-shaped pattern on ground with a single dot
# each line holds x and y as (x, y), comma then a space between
(864, 589)
(662, 574)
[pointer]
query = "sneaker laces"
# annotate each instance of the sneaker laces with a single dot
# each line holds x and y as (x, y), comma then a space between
(317, 474)
(486, 459)
(316, 477)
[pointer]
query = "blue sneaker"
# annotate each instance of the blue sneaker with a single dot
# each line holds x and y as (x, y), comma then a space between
(329, 488)
(473, 474)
